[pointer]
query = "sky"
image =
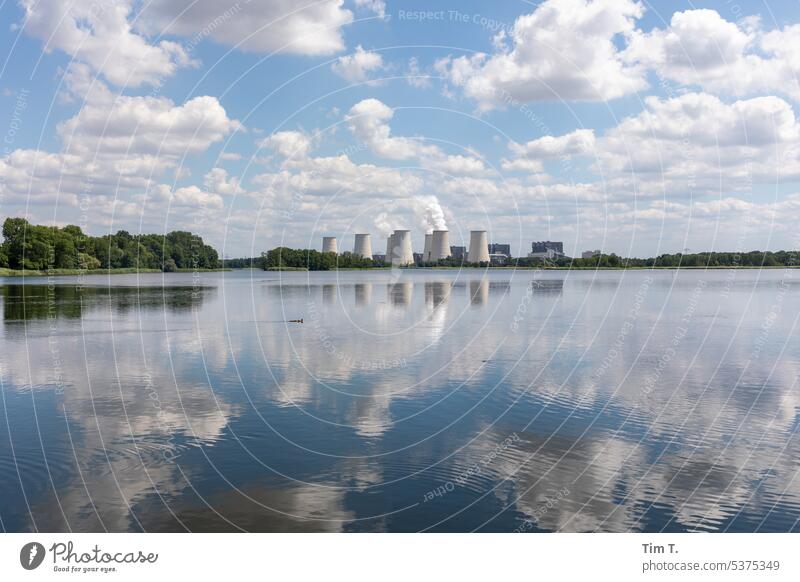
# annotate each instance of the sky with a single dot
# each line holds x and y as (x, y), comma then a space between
(638, 128)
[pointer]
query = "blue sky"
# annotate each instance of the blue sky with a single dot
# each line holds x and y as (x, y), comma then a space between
(634, 127)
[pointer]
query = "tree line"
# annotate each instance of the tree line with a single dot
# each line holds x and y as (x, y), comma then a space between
(36, 247)
(312, 260)
(704, 260)
(286, 258)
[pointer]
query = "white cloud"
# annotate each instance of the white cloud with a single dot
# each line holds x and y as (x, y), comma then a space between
(369, 122)
(288, 144)
(115, 145)
(455, 164)
(578, 142)
(564, 49)
(218, 182)
(415, 77)
(376, 6)
(701, 48)
(145, 125)
(306, 28)
(190, 197)
(100, 34)
(696, 141)
(522, 165)
(356, 67)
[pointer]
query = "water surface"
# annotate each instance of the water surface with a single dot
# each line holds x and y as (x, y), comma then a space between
(417, 400)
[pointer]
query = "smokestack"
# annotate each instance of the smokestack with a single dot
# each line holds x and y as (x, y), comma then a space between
(329, 244)
(478, 247)
(426, 252)
(363, 246)
(401, 247)
(389, 248)
(440, 245)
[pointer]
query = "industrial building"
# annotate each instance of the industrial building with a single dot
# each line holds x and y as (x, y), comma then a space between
(547, 249)
(499, 249)
(590, 254)
(459, 253)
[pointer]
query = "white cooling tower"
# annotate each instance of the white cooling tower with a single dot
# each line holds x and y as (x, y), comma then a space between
(440, 245)
(329, 244)
(363, 246)
(478, 247)
(402, 254)
(389, 248)
(426, 252)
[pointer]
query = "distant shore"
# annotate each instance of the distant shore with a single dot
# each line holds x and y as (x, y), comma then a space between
(78, 272)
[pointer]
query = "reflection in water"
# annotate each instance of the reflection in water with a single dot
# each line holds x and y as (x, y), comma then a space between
(609, 401)
(363, 292)
(479, 291)
(329, 293)
(436, 293)
(22, 302)
(399, 293)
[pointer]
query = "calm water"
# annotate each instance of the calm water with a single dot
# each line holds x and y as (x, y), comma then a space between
(427, 400)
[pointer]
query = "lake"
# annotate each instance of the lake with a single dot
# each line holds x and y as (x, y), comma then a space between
(415, 400)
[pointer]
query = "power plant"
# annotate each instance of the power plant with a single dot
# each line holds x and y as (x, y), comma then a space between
(478, 247)
(440, 245)
(426, 251)
(389, 248)
(399, 251)
(329, 244)
(402, 253)
(363, 246)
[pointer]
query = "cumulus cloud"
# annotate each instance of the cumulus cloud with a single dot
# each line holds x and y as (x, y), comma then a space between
(378, 7)
(191, 197)
(701, 48)
(698, 141)
(145, 125)
(115, 144)
(217, 181)
(562, 50)
(369, 119)
(288, 144)
(307, 28)
(100, 34)
(578, 142)
(592, 50)
(356, 67)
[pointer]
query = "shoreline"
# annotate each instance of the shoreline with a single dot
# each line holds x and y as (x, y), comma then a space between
(78, 272)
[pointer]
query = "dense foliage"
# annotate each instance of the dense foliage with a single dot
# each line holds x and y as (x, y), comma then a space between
(708, 259)
(30, 246)
(283, 257)
(243, 263)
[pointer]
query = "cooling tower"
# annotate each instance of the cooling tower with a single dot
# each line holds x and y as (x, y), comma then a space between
(329, 244)
(402, 254)
(389, 248)
(363, 246)
(426, 252)
(478, 247)
(440, 245)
